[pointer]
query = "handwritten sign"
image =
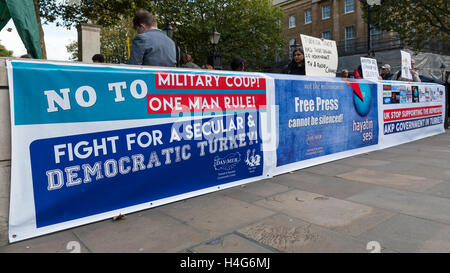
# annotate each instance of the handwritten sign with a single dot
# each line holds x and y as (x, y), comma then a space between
(369, 68)
(406, 65)
(321, 57)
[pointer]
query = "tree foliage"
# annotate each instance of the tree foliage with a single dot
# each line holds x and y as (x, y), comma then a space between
(248, 28)
(113, 40)
(72, 48)
(416, 21)
(5, 52)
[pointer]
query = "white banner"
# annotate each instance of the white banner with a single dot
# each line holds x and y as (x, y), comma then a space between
(410, 111)
(91, 142)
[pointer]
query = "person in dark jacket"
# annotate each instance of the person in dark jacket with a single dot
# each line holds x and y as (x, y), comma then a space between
(357, 72)
(386, 74)
(237, 64)
(297, 65)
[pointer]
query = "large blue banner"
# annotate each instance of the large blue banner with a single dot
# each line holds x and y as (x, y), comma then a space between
(90, 141)
(323, 117)
(82, 175)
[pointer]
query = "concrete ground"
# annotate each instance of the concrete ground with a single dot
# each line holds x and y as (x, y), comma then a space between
(397, 199)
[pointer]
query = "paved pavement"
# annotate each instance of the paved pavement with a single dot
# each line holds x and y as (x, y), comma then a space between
(398, 197)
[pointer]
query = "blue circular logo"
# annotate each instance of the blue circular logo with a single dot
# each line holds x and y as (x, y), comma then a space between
(362, 106)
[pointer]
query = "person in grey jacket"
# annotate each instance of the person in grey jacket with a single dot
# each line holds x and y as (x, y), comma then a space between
(151, 46)
(415, 75)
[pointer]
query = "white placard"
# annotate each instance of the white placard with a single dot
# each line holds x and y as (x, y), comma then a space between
(406, 65)
(369, 68)
(321, 57)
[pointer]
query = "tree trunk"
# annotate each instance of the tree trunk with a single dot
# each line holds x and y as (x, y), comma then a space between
(41, 31)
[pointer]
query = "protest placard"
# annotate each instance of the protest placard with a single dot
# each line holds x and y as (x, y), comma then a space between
(406, 65)
(321, 57)
(369, 68)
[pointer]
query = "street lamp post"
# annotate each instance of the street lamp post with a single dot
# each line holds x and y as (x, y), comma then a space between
(442, 71)
(214, 38)
(370, 3)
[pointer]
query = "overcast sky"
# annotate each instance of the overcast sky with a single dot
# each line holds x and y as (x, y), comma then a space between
(56, 39)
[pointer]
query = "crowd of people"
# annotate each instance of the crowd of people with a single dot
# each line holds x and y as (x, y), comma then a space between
(153, 47)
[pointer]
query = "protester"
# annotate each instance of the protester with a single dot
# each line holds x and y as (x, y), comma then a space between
(151, 46)
(237, 64)
(357, 73)
(208, 67)
(415, 75)
(386, 74)
(186, 61)
(98, 58)
(344, 73)
(297, 65)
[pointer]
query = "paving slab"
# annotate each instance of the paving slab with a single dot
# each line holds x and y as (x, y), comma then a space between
(410, 203)
(405, 233)
(415, 149)
(242, 195)
(231, 243)
(322, 184)
(59, 242)
(391, 165)
(363, 161)
(422, 160)
(429, 171)
(379, 155)
(214, 214)
(329, 169)
(255, 191)
(441, 190)
(315, 208)
(146, 231)
(264, 188)
(288, 234)
(399, 181)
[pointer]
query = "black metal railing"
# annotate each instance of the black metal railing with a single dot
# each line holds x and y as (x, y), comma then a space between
(381, 42)
(360, 45)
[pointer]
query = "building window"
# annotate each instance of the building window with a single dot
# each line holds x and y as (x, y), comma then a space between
(292, 21)
(292, 46)
(326, 35)
(349, 38)
(349, 6)
(326, 12)
(308, 16)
